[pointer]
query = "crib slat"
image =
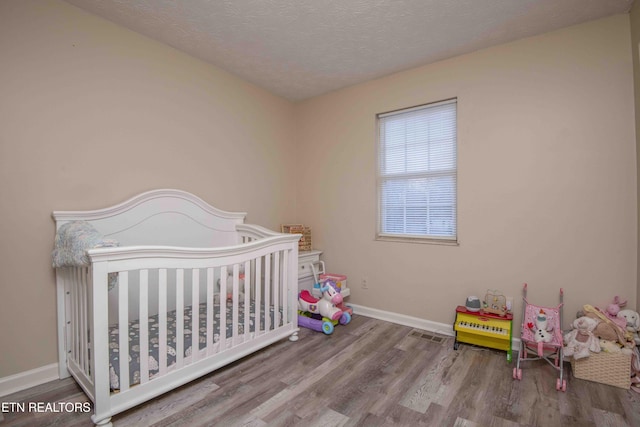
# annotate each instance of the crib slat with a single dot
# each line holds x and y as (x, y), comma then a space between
(81, 335)
(247, 302)
(75, 327)
(83, 317)
(82, 325)
(267, 291)
(285, 286)
(123, 329)
(74, 314)
(144, 326)
(90, 337)
(162, 320)
(100, 338)
(277, 283)
(223, 307)
(210, 305)
(257, 287)
(78, 314)
(179, 318)
(234, 301)
(73, 320)
(82, 338)
(68, 314)
(195, 315)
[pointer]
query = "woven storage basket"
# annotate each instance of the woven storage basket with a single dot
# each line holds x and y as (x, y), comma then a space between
(606, 368)
(304, 244)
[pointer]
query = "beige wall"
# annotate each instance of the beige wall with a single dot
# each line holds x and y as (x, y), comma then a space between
(547, 176)
(92, 114)
(635, 51)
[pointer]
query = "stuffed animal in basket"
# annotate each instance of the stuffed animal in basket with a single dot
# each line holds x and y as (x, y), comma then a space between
(605, 329)
(632, 319)
(613, 309)
(609, 347)
(580, 341)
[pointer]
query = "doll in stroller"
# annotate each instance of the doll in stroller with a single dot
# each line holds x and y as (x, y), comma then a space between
(541, 337)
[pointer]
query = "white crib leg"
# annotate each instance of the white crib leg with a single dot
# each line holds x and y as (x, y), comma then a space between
(103, 423)
(294, 337)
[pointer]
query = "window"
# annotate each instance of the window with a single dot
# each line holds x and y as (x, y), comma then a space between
(417, 171)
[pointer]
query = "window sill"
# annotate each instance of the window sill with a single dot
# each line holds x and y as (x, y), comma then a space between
(419, 240)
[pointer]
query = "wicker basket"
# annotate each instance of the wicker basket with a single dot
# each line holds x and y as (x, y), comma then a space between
(304, 244)
(606, 368)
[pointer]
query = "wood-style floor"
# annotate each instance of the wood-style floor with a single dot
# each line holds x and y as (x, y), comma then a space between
(368, 373)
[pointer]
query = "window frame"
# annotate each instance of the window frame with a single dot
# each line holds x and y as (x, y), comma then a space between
(406, 237)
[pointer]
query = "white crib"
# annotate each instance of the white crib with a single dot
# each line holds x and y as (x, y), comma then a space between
(177, 261)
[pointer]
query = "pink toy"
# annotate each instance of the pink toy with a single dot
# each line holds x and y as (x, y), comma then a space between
(613, 309)
(325, 306)
(541, 337)
(321, 314)
(341, 306)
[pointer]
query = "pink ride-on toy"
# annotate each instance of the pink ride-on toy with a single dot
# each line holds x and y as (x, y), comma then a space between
(541, 336)
(321, 314)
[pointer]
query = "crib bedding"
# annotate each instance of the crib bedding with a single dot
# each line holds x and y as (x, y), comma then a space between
(153, 325)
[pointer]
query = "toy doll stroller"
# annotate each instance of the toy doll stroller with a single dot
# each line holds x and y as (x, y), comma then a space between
(541, 337)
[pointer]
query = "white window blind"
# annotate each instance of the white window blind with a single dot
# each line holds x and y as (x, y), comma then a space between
(417, 172)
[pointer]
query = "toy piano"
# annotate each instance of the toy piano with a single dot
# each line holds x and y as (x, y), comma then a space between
(483, 329)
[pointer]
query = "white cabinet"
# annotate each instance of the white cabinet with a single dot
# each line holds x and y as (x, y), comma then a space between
(306, 280)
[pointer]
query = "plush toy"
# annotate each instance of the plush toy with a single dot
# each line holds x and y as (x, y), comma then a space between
(580, 341)
(613, 309)
(605, 329)
(230, 287)
(541, 329)
(632, 319)
(609, 347)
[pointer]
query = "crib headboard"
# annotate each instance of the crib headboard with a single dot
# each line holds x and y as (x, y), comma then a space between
(164, 217)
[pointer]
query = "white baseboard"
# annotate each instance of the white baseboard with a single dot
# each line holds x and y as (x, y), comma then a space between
(402, 319)
(414, 322)
(27, 379)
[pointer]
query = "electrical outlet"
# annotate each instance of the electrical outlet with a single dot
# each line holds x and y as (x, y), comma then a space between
(510, 303)
(364, 283)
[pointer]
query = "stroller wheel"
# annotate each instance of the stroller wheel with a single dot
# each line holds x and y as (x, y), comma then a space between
(561, 385)
(517, 374)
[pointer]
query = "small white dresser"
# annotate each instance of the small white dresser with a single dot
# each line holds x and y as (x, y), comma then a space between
(305, 273)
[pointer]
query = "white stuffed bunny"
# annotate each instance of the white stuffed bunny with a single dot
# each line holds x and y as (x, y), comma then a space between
(633, 322)
(580, 341)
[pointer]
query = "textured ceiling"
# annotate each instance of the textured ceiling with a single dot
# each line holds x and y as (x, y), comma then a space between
(302, 48)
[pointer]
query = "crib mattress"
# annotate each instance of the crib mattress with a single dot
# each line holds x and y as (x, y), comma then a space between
(154, 327)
